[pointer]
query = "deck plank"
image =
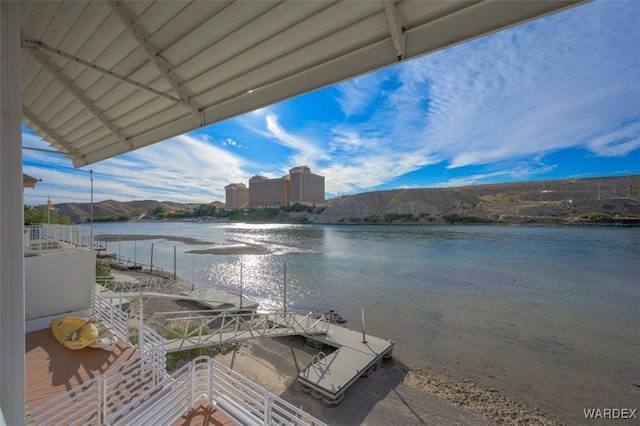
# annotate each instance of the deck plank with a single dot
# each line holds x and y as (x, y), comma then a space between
(52, 369)
(204, 415)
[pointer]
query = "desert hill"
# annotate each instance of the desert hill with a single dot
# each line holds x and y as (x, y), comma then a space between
(613, 199)
(122, 210)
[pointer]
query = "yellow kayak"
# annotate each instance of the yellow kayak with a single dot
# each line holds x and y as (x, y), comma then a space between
(75, 332)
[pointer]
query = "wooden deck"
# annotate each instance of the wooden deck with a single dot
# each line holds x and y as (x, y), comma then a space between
(204, 415)
(52, 370)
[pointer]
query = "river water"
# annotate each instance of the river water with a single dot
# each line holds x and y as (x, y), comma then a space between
(546, 315)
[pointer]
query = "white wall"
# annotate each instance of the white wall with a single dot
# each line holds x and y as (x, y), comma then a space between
(58, 283)
(12, 344)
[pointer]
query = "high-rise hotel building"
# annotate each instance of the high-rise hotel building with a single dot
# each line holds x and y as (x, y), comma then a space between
(237, 196)
(305, 187)
(265, 192)
(299, 186)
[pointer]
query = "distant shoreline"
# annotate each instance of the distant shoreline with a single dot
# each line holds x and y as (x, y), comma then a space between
(217, 249)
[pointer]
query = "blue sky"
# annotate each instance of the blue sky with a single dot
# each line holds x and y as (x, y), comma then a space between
(555, 98)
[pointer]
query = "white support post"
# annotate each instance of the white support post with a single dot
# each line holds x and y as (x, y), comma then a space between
(141, 334)
(267, 409)
(209, 379)
(102, 404)
(192, 386)
(12, 313)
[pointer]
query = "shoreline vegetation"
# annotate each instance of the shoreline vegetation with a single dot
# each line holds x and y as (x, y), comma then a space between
(395, 393)
(609, 201)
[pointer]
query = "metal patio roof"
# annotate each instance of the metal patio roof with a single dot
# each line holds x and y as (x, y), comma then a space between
(102, 78)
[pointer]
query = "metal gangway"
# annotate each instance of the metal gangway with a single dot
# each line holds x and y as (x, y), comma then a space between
(147, 288)
(152, 285)
(197, 329)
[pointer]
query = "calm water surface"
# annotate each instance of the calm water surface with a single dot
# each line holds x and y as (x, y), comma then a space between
(548, 315)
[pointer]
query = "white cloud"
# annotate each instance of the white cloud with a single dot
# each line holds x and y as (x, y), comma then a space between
(182, 169)
(370, 169)
(305, 151)
(618, 142)
(568, 81)
(356, 96)
(521, 172)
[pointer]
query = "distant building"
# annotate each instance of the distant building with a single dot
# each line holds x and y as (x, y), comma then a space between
(299, 186)
(29, 181)
(265, 192)
(305, 187)
(237, 196)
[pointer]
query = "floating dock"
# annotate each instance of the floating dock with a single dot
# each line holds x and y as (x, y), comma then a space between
(329, 376)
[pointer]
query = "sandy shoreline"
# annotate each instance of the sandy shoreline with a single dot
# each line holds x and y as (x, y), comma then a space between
(393, 394)
(139, 237)
(213, 248)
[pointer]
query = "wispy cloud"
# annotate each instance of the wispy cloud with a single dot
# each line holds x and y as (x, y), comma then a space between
(183, 169)
(356, 96)
(304, 150)
(620, 141)
(512, 106)
(519, 172)
(518, 94)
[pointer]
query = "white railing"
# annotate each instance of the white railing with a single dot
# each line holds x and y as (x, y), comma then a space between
(110, 315)
(154, 353)
(156, 285)
(205, 380)
(100, 398)
(47, 237)
(81, 405)
(139, 391)
(196, 329)
(109, 399)
(244, 400)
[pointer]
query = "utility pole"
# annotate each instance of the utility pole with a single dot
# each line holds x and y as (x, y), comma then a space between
(285, 288)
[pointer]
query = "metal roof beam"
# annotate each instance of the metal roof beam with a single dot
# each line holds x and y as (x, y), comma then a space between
(33, 44)
(80, 96)
(397, 28)
(52, 134)
(155, 55)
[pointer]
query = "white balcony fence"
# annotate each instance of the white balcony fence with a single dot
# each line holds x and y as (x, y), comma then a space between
(140, 392)
(106, 313)
(44, 237)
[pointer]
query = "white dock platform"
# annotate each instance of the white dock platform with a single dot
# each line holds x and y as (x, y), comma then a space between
(328, 377)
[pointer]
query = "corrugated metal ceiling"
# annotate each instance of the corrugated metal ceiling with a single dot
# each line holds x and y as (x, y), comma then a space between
(102, 78)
